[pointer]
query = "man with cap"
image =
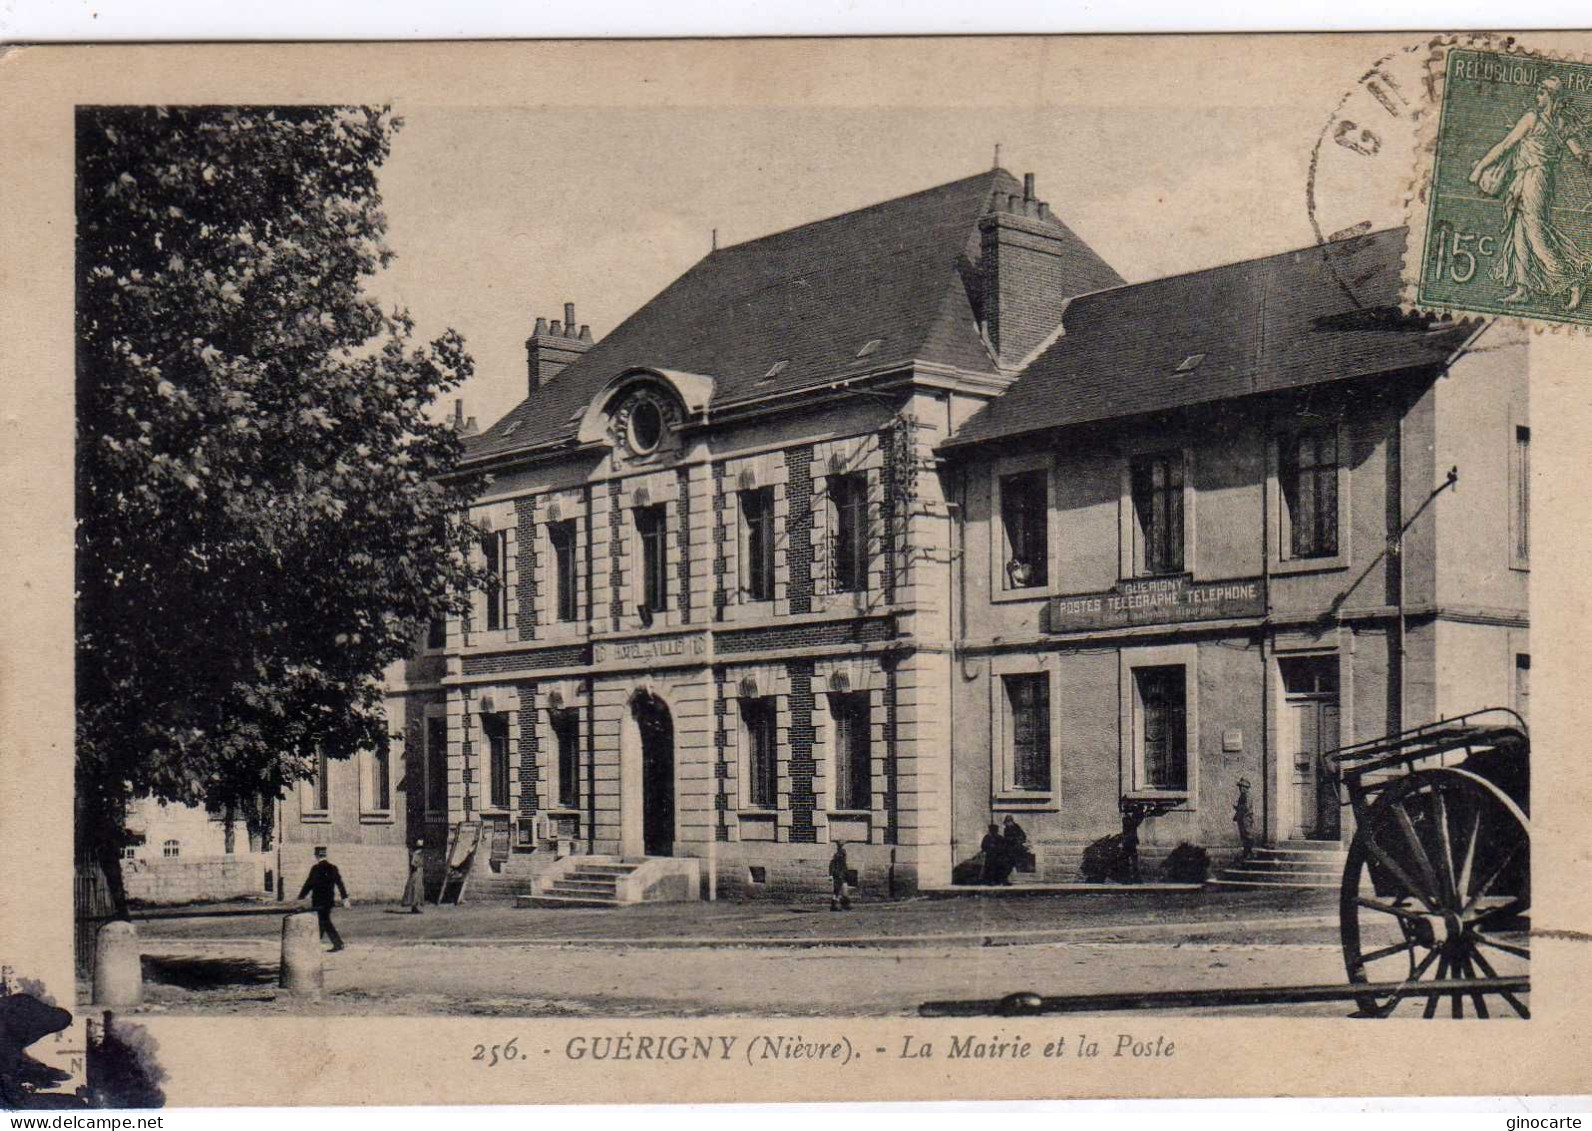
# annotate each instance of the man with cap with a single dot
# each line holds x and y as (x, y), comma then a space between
(323, 886)
(1244, 818)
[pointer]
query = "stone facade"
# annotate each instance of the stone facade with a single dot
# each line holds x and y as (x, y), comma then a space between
(744, 623)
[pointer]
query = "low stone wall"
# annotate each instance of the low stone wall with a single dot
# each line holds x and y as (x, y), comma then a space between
(754, 870)
(373, 873)
(195, 879)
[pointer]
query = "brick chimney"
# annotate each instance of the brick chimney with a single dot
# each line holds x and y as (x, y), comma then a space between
(460, 425)
(549, 349)
(1030, 266)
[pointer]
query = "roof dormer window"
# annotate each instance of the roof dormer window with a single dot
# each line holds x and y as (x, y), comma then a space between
(645, 426)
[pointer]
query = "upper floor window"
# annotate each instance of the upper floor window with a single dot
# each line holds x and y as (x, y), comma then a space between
(848, 500)
(1161, 726)
(1024, 518)
(496, 728)
(171, 848)
(377, 781)
(757, 528)
(853, 764)
(321, 788)
(1157, 482)
(761, 722)
(495, 554)
(1308, 477)
(652, 524)
(566, 728)
(436, 764)
(562, 537)
(437, 633)
(1520, 496)
(1028, 704)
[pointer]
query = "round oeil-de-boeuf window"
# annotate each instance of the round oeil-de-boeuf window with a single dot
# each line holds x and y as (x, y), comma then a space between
(646, 427)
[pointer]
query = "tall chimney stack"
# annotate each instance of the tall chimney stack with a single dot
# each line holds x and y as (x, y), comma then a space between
(550, 349)
(1030, 266)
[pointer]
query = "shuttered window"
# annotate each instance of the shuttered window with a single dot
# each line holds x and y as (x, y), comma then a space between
(1158, 509)
(1162, 726)
(848, 496)
(762, 756)
(853, 765)
(757, 523)
(436, 764)
(561, 536)
(1028, 697)
(566, 727)
(1024, 519)
(1308, 475)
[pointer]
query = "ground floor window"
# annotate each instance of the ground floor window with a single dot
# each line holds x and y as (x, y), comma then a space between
(436, 764)
(853, 765)
(1161, 726)
(761, 722)
(566, 729)
(1028, 706)
(496, 727)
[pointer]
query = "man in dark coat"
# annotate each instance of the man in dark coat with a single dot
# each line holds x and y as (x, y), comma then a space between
(1016, 847)
(320, 885)
(994, 851)
(839, 900)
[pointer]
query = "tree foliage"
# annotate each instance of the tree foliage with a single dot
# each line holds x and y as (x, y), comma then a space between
(266, 516)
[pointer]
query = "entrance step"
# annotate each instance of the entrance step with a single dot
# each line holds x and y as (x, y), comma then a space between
(609, 881)
(1292, 864)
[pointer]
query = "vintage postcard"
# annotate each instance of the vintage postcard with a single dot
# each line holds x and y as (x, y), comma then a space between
(793, 570)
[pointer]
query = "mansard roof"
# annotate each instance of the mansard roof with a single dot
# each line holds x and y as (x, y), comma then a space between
(1303, 317)
(868, 290)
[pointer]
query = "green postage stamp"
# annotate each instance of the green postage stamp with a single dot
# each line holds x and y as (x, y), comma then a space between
(1508, 224)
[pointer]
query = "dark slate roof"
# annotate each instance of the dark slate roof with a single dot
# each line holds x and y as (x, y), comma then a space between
(1318, 314)
(811, 296)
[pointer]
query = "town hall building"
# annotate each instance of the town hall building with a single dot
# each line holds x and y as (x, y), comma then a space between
(884, 528)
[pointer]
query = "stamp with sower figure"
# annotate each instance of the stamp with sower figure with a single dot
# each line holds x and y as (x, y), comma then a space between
(1508, 192)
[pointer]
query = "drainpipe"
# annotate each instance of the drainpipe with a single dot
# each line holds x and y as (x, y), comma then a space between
(1270, 760)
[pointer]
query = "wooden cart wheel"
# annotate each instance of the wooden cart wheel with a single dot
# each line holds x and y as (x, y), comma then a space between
(1438, 886)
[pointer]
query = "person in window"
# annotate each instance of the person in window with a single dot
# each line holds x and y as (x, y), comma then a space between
(993, 849)
(838, 874)
(1017, 855)
(415, 889)
(323, 886)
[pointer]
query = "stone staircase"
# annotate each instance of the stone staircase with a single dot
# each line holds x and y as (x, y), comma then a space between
(1291, 864)
(610, 881)
(514, 877)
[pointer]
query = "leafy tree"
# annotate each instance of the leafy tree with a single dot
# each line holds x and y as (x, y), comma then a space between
(266, 516)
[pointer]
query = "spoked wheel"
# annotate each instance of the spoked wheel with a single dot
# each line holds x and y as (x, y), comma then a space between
(1438, 888)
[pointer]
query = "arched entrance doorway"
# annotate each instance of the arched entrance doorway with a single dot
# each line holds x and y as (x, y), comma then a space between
(656, 727)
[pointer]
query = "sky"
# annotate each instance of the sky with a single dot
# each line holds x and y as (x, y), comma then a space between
(1161, 160)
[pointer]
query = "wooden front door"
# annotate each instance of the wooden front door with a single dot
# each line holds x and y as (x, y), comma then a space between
(1309, 727)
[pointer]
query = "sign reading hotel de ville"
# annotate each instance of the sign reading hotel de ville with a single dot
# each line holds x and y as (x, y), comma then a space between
(1158, 600)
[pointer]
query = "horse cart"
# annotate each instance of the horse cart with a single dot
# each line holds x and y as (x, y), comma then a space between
(1436, 895)
(1438, 881)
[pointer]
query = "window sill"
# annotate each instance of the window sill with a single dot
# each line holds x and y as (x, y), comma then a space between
(850, 814)
(315, 818)
(1286, 566)
(1184, 796)
(1027, 593)
(381, 817)
(1520, 566)
(1024, 801)
(757, 814)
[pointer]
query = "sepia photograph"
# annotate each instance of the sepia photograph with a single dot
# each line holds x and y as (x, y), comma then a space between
(799, 552)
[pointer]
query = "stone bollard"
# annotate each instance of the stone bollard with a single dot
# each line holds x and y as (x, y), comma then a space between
(118, 966)
(301, 968)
